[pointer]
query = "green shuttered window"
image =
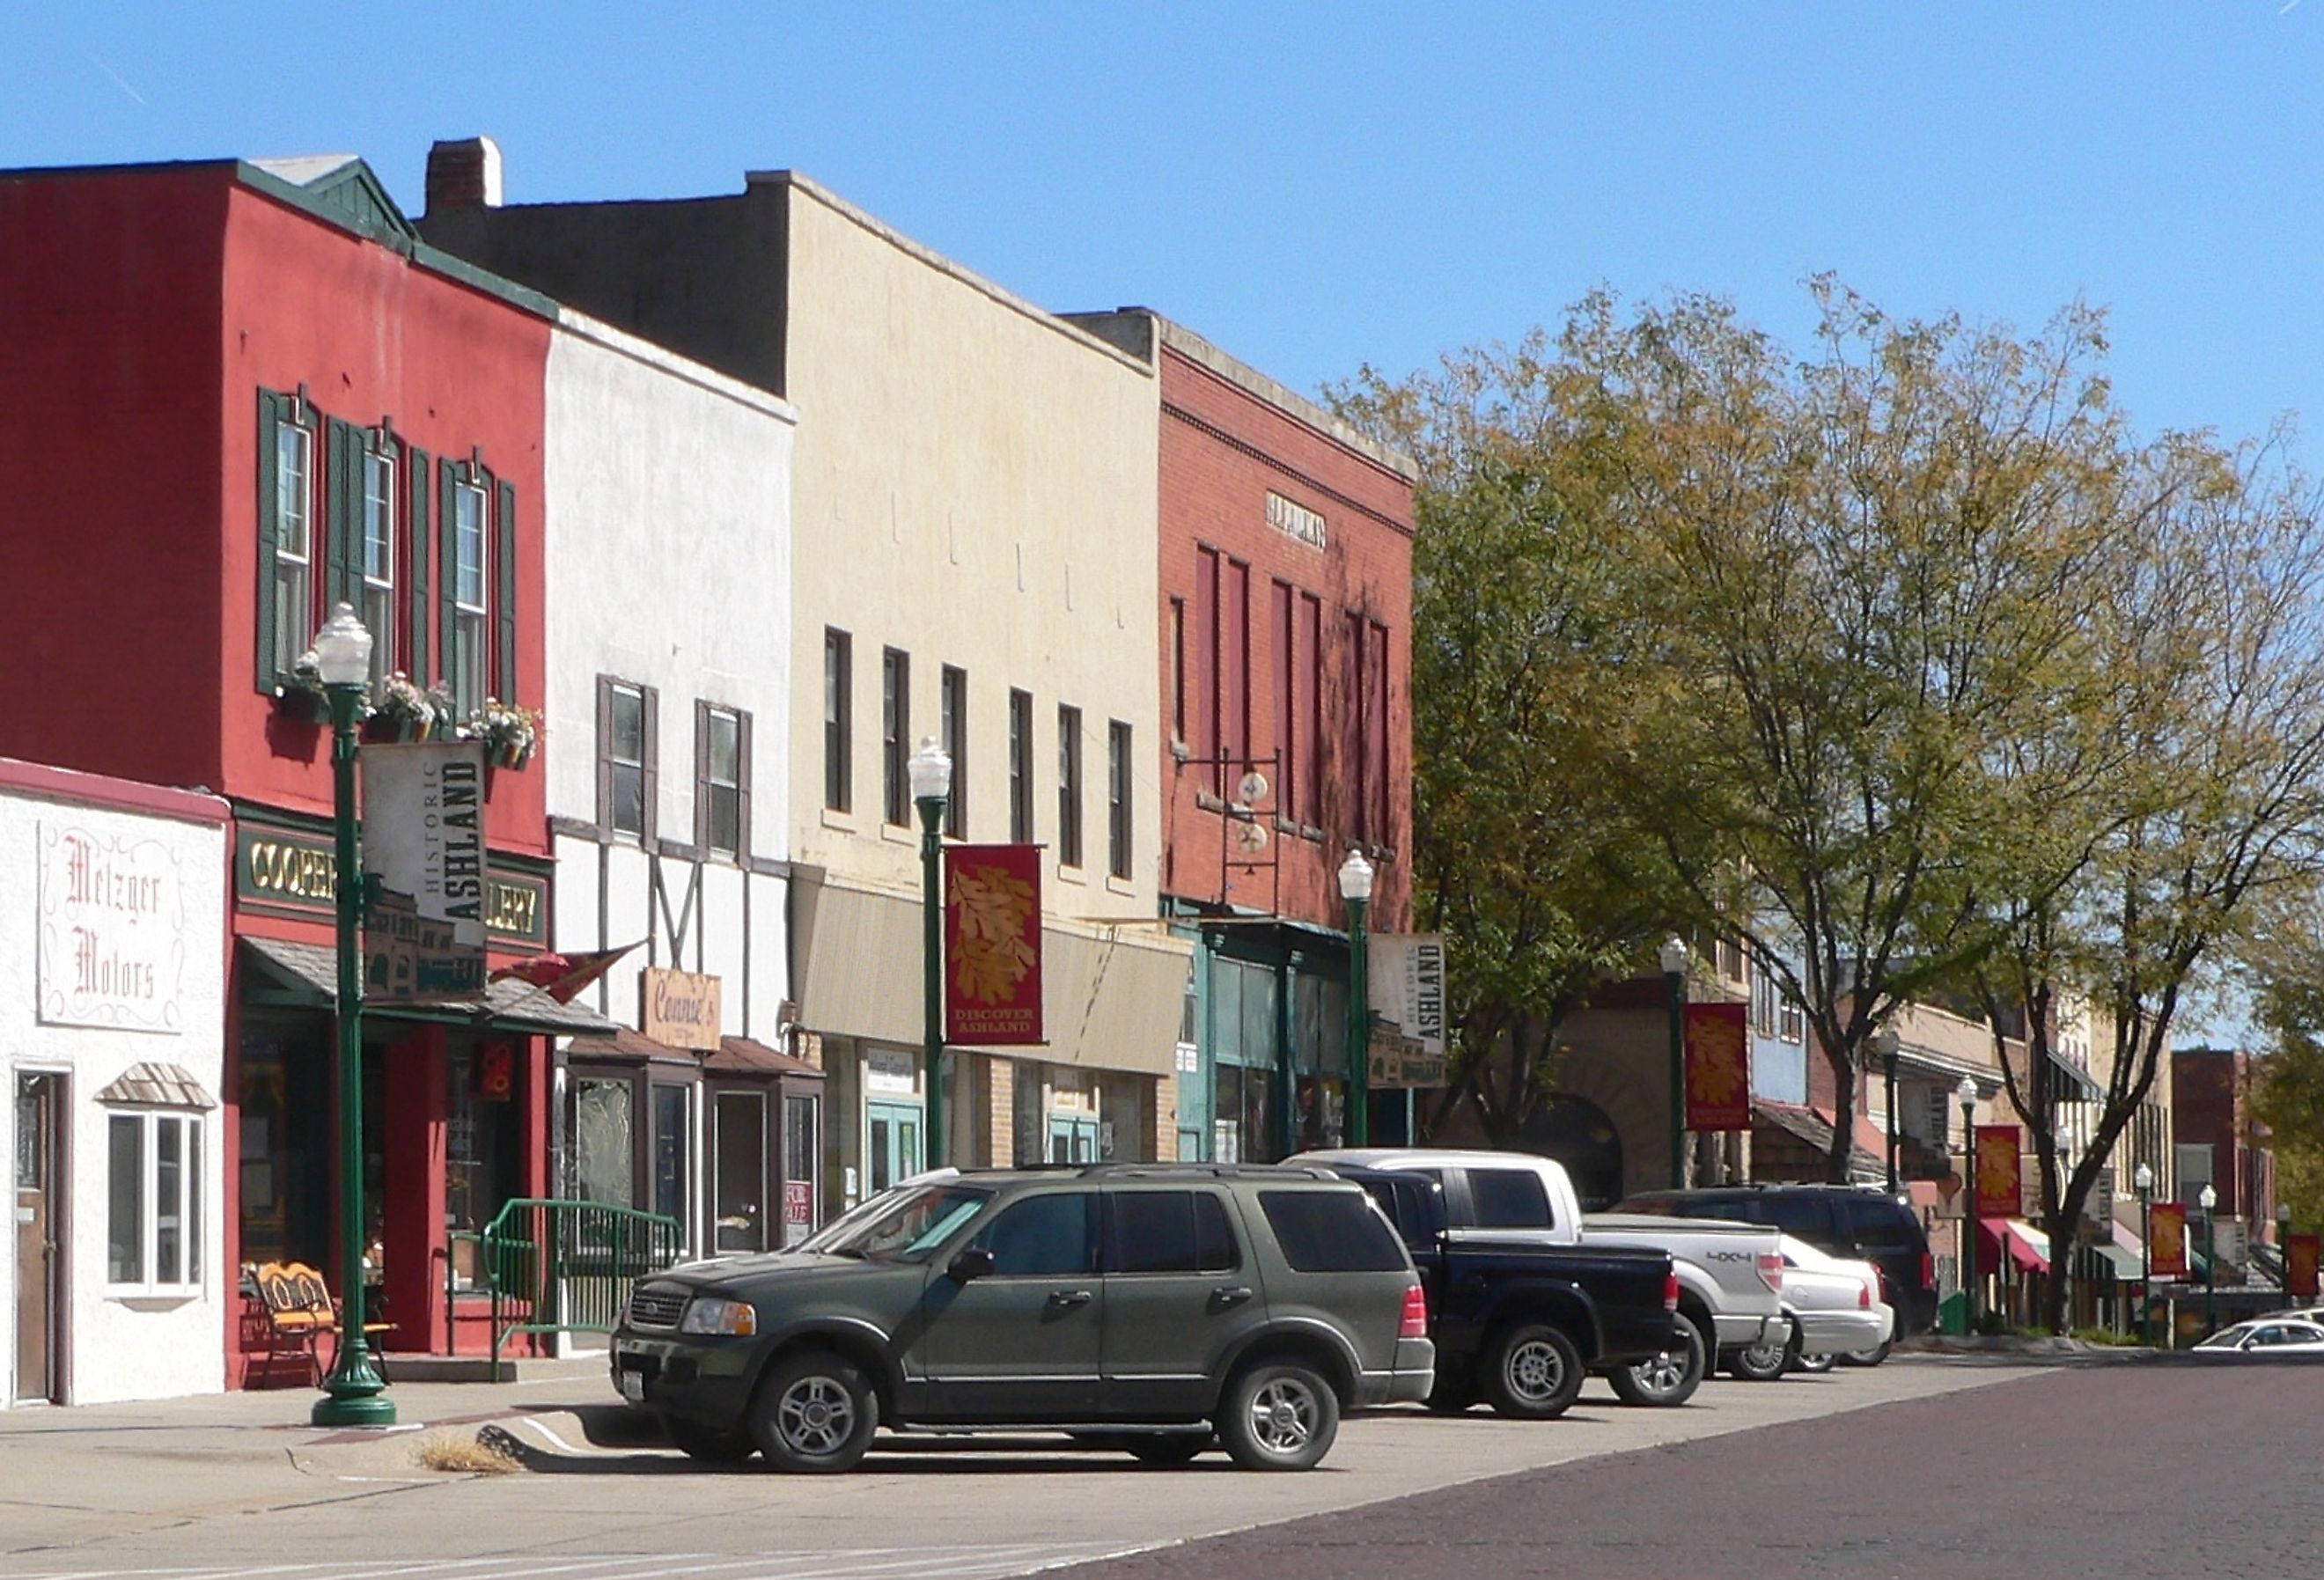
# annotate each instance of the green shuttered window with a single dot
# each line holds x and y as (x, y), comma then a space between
(286, 536)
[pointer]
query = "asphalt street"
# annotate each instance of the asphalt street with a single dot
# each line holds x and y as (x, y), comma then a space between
(2172, 1468)
(239, 1484)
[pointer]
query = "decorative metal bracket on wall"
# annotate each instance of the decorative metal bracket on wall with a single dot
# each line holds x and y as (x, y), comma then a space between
(1247, 819)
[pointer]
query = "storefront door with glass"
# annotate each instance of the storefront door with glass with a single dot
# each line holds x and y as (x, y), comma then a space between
(894, 1134)
(1072, 1139)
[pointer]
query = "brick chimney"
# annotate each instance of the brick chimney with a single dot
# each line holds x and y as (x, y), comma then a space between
(464, 174)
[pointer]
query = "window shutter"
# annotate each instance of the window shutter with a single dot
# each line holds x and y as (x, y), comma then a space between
(702, 773)
(652, 774)
(416, 467)
(742, 781)
(448, 559)
(269, 532)
(505, 605)
(342, 512)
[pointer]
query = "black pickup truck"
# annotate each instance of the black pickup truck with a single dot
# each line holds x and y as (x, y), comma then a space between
(1520, 1325)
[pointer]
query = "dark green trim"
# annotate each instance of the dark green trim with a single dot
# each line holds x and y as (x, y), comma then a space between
(269, 532)
(504, 603)
(448, 561)
(289, 869)
(421, 482)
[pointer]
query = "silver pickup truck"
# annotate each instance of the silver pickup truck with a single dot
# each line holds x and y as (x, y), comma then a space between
(1730, 1275)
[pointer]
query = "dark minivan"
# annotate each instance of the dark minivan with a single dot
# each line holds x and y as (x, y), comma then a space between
(1841, 1220)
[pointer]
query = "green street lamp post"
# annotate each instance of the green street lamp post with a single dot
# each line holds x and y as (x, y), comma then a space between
(354, 1394)
(1967, 1092)
(929, 769)
(1885, 1044)
(1673, 964)
(2141, 1180)
(2208, 1201)
(2283, 1248)
(1356, 889)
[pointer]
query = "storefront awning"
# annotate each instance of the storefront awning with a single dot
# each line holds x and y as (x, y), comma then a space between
(2124, 1267)
(742, 1055)
(1807, 1125)
(309, 973)
(159, 1085)
(623, 1046)
(2016, 1239)
(1111, 996)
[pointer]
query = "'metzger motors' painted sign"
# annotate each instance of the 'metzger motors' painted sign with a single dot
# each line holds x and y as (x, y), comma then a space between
(423, 862)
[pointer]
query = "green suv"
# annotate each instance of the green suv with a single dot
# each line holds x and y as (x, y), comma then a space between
(1154, 1307)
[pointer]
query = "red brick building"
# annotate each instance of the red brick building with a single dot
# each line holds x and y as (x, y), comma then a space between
(2218, 1139)
(238, 393)
(1286, 641)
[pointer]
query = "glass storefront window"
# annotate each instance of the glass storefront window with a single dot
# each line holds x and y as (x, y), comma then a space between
(481, 1151)
(604, 1142)
(1259, 1002)
(1240, 1132)
(800, 1154)
(285, 1195)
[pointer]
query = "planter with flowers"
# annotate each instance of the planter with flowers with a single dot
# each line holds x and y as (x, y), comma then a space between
(509, 733)
(401, 710)
(300, 694)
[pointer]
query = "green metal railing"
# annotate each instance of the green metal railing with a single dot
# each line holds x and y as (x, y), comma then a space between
(554, 1266)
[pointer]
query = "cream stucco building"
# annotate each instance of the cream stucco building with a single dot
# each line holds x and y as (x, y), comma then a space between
(974, 558)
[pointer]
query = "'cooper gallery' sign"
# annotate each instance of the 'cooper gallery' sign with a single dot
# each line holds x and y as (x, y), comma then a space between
(113, 930)
(423, 862)
(679, 1008)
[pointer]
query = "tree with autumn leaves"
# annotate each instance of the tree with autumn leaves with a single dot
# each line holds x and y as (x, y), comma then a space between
(1905, 665)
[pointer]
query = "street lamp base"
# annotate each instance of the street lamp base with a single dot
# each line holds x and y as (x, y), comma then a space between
(354, 1395)
(359, 1410)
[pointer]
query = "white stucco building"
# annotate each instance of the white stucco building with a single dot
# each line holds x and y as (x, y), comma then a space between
(113, 953)
(668, 633)
(976, 559)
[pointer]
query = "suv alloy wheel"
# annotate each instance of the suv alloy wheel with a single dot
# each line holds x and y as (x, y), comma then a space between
(1766, 1362)
(1278, 1415)
(815, 1412)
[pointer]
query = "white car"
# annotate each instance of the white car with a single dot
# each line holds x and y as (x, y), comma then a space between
(2269, 1335)
(1835, 1304)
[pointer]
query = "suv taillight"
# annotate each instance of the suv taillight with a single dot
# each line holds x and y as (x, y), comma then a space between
(1416, 1314)
(1928, 1271)
(1670, 1291)
(1771, 1270)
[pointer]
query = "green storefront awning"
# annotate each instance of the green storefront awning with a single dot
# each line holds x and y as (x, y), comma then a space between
(2120, 1264)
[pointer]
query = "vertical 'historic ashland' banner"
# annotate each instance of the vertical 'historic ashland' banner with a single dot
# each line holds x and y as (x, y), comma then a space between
(2000, 1187)
(2167, 1239)
(992, 945)
(423, 862)
(1718, 1067)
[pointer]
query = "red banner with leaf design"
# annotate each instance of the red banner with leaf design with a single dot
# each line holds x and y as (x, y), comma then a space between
(1718, 1067)
(2300, 1255)
(992, 945)
(2000, 1181)
(2167, 1239)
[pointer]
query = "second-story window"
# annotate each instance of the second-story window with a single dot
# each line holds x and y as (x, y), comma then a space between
(952, 728)
(838, 720)
(1069, 786)
(627, 750)
(721, 789)
(469, 642)
(1020, 767)
(294, 543)
(895, 736)
(379, 607)
(1117, 799)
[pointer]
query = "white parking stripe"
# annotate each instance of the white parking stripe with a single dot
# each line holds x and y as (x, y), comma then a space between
(928, 1563)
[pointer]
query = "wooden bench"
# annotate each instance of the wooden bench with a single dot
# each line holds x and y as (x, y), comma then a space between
(300, 1311)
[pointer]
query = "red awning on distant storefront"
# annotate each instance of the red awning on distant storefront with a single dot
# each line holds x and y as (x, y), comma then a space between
(2021, 1243)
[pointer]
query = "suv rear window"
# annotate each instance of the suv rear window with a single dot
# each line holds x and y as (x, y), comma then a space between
(1331, 1231)
(1879, 1222)
(1170, 1231)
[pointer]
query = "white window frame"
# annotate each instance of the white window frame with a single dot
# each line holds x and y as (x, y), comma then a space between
(471, 642)
(192, 1204)
(712, 716)
(617, 692)
(378, 585)
(294, 567)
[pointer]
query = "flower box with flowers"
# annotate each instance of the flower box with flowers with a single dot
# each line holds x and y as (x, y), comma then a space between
(509, 733)
(402, 710)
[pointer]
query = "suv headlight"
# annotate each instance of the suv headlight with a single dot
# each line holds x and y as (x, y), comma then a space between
(710, 1316)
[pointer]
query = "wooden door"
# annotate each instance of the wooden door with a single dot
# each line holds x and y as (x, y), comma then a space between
(40, 1212)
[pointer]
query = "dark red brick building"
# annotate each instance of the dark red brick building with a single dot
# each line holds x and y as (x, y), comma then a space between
(238, 393)
(2218, 1138)
(1286, 641)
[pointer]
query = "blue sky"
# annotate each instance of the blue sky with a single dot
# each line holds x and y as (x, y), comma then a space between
(1316, 187)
